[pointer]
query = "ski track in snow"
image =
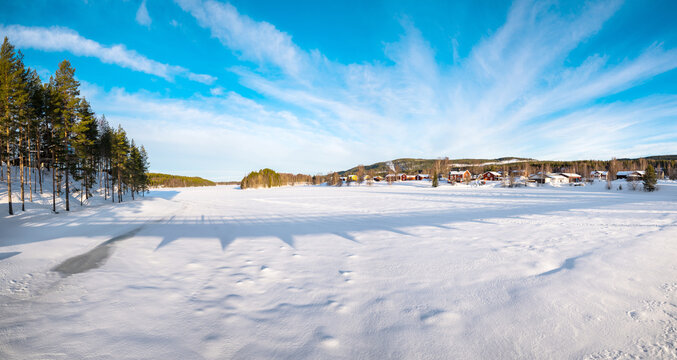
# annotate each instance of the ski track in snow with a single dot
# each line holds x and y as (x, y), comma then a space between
(381, 272)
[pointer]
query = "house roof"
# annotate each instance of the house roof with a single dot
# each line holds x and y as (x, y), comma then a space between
(495, 173)
(555, 176)
(599, 172)
(570, 175)
(458, 172)
(630, 172)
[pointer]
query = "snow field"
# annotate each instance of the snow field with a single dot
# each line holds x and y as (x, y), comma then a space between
(403, 271)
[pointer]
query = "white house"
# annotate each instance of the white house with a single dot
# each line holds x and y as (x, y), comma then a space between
(572, 177)
(598, 174)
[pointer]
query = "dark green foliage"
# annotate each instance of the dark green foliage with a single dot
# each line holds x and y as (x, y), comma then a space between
(262, 178)
(649, 179)
(50, 127)
(166, 180)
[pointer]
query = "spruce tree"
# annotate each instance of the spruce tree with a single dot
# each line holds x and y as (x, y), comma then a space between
(649, 179)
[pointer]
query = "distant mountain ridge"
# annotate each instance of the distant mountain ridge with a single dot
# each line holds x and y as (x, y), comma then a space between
(413, 165)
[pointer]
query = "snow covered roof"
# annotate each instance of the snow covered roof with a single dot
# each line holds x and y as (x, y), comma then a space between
(630, 172)
(598, 172)
(569, 175)
(457, 172)
(555, 176)
(495, 173)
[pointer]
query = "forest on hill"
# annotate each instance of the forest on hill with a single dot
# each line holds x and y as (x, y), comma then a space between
(166, 180)
(415, 166)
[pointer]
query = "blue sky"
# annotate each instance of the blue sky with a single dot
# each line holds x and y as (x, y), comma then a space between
(217, 89)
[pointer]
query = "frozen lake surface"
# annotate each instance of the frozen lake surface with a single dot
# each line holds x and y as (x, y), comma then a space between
(383, 272)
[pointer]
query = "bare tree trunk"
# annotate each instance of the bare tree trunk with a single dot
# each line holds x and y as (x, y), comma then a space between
(39, 163)
(9, 175)
(40, 175)
(53, 181)
(68, 207)
(21, 176)
(30, 168)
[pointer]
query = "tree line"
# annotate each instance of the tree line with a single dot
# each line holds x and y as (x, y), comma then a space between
(166, 180)
(48, 129)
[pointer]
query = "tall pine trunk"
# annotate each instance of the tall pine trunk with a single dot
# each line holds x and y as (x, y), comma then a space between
(39, 163)
(53, 181)
(30, 168)
(9, 175)
(21, 169)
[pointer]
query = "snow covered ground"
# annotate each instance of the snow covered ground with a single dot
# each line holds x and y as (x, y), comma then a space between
(383, 272)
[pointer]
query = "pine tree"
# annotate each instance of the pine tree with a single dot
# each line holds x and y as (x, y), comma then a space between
(120, 151)
(12, 98)
(649, 179)
(68, 104)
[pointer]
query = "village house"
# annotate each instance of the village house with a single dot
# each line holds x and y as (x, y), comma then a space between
(572, 177)
(598, 174)
(491, 176)
(406, 177)
(556, 179)
(422, 176)
(549, 178)
(459, 176)
(632, 175)
(392, 177)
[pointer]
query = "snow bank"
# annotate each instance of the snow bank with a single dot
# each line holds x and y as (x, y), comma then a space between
(401, 271)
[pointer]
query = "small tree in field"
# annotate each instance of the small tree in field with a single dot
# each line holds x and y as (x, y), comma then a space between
(649, 179)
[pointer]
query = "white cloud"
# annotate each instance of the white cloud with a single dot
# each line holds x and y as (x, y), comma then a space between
(230, 135)
(514, 82)
(142, 16)
(252, 40)
(63, 39)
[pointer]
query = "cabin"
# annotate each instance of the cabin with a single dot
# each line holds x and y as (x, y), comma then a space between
(572, 177)
(556, 179)
(634, 175)
(422, 177)
(459, 176)
(491, 176)
(352, 178)
(549, 178)
(377, 178)
(406, 177)
(343, 178)
(392, 177)
(598, 174)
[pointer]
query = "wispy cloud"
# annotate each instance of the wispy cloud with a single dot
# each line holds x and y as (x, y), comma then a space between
(63, 39)
(515, 89)
(208, 132)
(255, 41)
(142, 16)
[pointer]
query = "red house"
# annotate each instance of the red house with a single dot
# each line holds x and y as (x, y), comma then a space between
(491, 176)
(460, 176)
